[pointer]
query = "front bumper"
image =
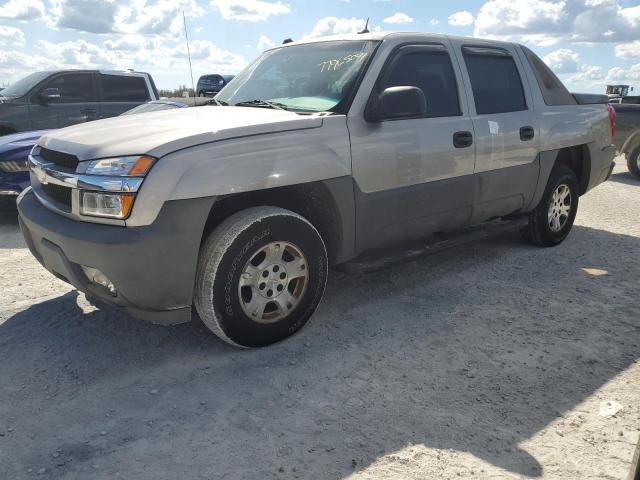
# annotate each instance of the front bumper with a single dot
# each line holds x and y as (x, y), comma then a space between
(153, 267)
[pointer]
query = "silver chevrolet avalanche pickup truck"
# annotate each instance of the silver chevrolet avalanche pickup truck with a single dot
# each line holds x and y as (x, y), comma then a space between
(317, 153)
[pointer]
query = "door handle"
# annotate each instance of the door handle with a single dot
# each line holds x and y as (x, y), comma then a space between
(89, 113)
(462, 139)
(527, 133)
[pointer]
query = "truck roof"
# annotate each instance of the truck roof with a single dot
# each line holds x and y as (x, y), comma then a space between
(379, 36)
(93, 70)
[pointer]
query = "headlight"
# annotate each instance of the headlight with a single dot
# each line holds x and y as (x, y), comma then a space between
(109, 205)
(135, 166)
(108, 187)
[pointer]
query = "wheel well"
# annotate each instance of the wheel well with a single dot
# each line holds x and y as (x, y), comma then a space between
(312, 200)
(577, 159)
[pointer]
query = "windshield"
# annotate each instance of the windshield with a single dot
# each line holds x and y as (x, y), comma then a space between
(310, 77)
(21, 87)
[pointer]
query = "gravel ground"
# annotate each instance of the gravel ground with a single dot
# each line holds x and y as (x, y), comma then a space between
(493, 360)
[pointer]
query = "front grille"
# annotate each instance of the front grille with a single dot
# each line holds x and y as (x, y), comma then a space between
(59, 158)
(12, 166)
(58, 193)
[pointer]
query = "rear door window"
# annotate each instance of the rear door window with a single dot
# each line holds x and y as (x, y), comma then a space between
(495, 80)
(124, 88)
(73, 88)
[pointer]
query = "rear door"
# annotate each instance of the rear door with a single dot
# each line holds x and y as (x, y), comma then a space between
(120, 93)
(413, 176)
(77, 102)
(506, 129)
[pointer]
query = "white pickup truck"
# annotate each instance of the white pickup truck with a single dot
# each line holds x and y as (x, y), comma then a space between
(317, 153)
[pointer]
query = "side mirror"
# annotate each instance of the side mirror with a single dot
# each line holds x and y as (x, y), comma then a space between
(49, 95)
(398, 102)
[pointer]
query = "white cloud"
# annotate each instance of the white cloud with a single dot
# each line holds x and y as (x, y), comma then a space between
(336, 26)
(11, 36)
(163, 17)
(624, 75)
(22, 10)
(547, 23)
(588, 77)
(398, 19)
(563, 60)
(434, 21)
(249, 10)
(265, 42)
(628, 50)
(160, 55)
(461, 19)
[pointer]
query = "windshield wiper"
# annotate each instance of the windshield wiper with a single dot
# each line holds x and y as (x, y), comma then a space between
(215, 101)
(262, 104)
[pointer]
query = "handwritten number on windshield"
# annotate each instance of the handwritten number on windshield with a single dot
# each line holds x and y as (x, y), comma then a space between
(337, 63)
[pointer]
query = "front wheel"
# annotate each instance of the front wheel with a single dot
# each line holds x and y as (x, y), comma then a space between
(551, 221)
(633, 162)
(261, 275)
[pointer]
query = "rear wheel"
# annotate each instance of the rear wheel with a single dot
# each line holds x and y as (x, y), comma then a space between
(261, 275)
(633, 162)
(551, 221)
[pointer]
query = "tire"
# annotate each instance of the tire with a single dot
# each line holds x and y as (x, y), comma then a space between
(542, 229)
(243, 248)
(201, 94)
(633, 162)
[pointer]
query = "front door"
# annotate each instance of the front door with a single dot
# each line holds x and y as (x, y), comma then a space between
(414, 176)
(75, 101)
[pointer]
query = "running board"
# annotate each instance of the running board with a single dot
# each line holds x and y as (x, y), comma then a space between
(378, 260)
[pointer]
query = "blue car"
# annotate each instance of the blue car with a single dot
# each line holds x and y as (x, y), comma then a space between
(15, 148)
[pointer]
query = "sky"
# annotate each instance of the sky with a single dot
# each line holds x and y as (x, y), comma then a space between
(588, 43)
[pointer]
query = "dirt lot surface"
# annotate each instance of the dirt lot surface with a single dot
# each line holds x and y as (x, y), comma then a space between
(493, 360)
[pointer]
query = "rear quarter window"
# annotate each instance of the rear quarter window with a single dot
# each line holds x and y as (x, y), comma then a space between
(122, 88)
(553, 91)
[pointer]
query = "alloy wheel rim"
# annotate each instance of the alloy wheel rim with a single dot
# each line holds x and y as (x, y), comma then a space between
(273, 282)
(559, 208)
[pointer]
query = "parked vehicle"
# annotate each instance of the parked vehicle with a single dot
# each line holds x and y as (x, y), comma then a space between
(319, 152)
(627, 137)
(15, 148)
(209, 85)
(14, 171)
(56, 99)
(618, 91)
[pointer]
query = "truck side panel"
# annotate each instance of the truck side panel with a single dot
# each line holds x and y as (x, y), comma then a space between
(255, 163)
(564, 126)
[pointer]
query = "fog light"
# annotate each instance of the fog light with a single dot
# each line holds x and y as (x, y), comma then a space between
(96, 276)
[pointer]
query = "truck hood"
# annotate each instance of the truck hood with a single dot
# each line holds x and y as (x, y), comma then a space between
(163, 132)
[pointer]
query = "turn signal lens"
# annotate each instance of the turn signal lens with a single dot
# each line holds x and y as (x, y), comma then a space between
(141, 167)
(108, 205)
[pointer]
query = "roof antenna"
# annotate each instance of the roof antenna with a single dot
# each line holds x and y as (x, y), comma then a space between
(365, 29)
(287, 40)
(193, 85)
